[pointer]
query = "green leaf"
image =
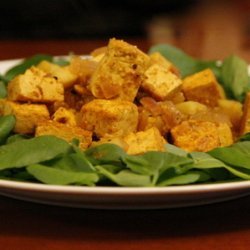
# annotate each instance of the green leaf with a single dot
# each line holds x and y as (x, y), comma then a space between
(188, 178)
(105, 154)
(7, 124)
(25, 64)
(237, 155)
(49, 175)
(126, 178)
(26, 152)
(235, 77)
(3, 90)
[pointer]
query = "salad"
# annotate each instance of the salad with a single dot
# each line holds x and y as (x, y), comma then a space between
(122, 117)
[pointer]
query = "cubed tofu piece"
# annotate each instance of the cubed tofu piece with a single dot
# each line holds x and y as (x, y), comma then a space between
(35, 85)
(27, 115)
(120, 72)
(202, 87)
(245, 120)
(233, 109)
(109, 117)
(64, 131)
(63, 74)
(194, 135)
(225, 134)
(144, 141)
(189, 108)
(160, 83)
(65, 116)
(158, 58)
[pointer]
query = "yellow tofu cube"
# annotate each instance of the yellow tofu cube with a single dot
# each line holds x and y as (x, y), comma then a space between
(157, 58)
(119, 73)
(195, 135)
(64, 131)
(245, 120)
(63, 74)
(109, 117)
(233, 109)
(202, 87)
(160, 83)
(65, 116)
(27, 115)
(35, 85)
(144, 141)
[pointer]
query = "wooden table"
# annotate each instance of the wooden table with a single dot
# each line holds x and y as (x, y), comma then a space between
(30, 226)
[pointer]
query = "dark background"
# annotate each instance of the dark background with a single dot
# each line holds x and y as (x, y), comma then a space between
(72, 19)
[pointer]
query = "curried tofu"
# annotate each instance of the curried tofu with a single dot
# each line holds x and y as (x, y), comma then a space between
(27, 115)
(202, 87)
(35, 85)
(245, 120)
(120, 72)
(65, 116)
(160, 83)
(65, 132)
(143, 141)
(109, 117)
(157, 58)
(194, 135)
(63, 74)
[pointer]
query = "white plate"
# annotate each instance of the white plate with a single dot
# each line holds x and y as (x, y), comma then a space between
(121, 197)
(124, 197)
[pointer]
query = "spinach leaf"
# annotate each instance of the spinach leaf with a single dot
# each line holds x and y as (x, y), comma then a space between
(188, 178)
(234, 76)
(50, 175)
(7, 124)
(235, 155)
(105, 154)
(126, 177)
(3, 90)
(24, 65)
(26, 152)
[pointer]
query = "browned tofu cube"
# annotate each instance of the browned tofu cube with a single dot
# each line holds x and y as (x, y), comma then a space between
(27, 115)
(144, 141)
(160, 83)
(245, 120)
(63, 74)
(195, 135)
(109, 117)
(66, 116)
(64, 131)
(120, 72)
(157, 58)
(202, 87)
(35, 85)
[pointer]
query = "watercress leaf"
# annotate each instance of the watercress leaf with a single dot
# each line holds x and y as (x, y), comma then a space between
(7, 124)
(235, 79)
(49, 175)
(203, 161)
(175, 150)
(3, 90)
(17, 137)
(25, 64)
(234, 155)
(126, 177)
(240, 172)
(105, 154)
(188, 178)
(25, 152)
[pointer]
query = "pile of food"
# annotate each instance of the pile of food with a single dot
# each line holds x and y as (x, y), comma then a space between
(121, 116)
